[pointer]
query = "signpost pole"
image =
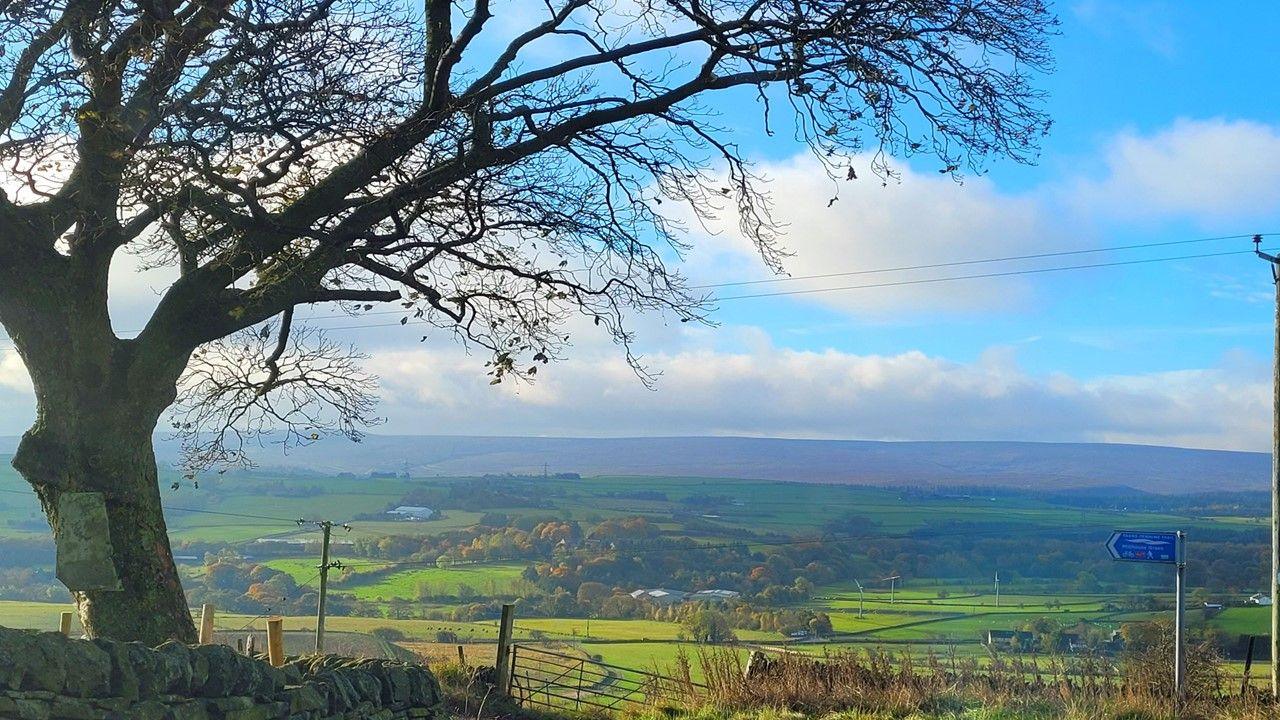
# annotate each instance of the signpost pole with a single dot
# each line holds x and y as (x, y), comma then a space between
(1167, 548)
(1179, 624)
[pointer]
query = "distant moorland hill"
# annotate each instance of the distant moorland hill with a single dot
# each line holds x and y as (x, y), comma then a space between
(1006, 464)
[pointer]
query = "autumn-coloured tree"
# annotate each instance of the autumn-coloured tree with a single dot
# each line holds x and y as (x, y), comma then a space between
(491, 169)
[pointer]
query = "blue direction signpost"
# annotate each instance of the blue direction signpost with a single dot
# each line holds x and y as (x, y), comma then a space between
(1165, 548)
(1144, 546)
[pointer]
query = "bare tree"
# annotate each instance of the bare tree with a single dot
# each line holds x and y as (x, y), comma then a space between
(490, 182)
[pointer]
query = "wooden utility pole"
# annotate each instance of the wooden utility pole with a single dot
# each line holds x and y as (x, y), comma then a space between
(1274, 582)
(325, 565)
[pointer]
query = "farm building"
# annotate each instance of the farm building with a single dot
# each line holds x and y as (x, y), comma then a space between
(413, 512)
(1009, 638)
(1259, 599)
(660, 596)
(715, 595)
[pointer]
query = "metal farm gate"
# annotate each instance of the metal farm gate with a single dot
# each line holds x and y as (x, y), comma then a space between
(541, 677)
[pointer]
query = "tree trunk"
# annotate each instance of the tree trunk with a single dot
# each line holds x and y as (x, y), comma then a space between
(118, 462)
(98, 399)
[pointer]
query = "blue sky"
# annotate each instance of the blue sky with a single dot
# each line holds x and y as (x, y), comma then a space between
(1166, 128)
(1123, 68)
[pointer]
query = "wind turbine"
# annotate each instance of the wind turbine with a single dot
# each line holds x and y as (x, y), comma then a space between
(855, 582)
(892, 579)
(997, 588)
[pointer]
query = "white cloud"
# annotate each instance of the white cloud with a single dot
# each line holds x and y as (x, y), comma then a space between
(1205, 170)
(1211, 172)
(828, 394)
(13, 374)
(923, 218)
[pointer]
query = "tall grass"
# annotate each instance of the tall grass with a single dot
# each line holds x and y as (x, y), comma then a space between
(875, 683)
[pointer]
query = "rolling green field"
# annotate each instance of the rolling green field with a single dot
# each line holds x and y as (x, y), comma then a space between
(925, 614)
(1253, 620)
(785, 508)
(409, 584)
(648, 644)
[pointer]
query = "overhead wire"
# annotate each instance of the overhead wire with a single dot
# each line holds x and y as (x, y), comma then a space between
(979, 261)
(980, 276)
(898, 283)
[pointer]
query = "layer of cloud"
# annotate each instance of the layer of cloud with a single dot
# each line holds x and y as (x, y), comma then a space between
(917, 218)
(1210, 171)
(772, 391)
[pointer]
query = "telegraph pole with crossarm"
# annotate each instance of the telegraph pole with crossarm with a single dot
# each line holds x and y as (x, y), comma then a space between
(325, 566)
(1274, 583)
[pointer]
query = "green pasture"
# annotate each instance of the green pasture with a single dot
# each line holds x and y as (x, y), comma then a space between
(35, 615)
(1252, 620)
(601, 630)
(656, 657)
(758, 506)
(410, 583)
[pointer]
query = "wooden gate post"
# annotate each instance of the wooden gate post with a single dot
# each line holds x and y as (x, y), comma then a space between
(1248, 665)
(206, 624)
(503, 665)
(275, 641)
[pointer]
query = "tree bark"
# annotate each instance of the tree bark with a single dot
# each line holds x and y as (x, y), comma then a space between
(98, 399)
(118, 462)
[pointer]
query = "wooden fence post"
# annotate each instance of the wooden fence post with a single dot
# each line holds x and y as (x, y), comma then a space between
(206, 624)
(1248, 665)
(275, 641)
(64, 623)
(504, 668)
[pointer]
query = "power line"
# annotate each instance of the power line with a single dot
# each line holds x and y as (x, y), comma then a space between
(296, 521)
(903, 268)
(894, 283)
(982, 261)
(978, 276)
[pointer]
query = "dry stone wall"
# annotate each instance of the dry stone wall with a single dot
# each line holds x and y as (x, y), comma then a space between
(45, 676)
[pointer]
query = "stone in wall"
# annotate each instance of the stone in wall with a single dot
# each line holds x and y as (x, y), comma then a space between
(46, 676)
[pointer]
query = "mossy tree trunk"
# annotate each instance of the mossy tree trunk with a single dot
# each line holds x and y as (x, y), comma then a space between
(98, 400)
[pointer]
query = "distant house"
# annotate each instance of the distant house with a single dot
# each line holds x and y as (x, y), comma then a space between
(1115, 642)
(1009, 639)
(412, 512)
(715, 595)
(1072, 642)
(660, 596)
(1259, 599)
